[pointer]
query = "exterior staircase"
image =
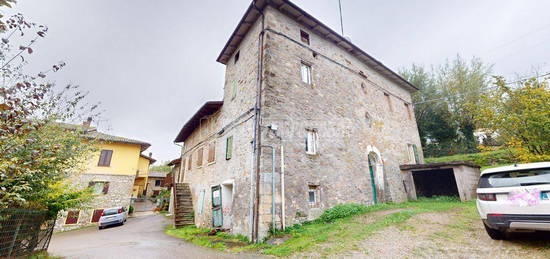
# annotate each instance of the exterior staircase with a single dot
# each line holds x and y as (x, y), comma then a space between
(183, 206)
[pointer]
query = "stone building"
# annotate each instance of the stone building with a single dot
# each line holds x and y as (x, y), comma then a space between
(117, 172)
(156, 183)
(308, 121)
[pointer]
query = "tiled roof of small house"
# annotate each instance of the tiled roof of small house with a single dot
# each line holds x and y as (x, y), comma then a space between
(151, 160)
(94, 134)
(208, 108)
(158, 174)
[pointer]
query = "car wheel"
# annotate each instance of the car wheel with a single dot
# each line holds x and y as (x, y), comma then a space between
(100, 228)
(122, 223)
(494, 233)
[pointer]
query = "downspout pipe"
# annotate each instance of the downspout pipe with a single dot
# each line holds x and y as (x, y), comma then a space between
(257, 129)
(283, 221)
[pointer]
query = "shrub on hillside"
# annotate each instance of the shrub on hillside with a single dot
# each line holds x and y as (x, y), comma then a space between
(342, 211)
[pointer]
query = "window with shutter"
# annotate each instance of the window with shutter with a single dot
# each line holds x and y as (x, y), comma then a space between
(96, 215)
(105, 158)
(212, 153)
(228, 147)
(200, 152)
(416, 156)
(72, 217)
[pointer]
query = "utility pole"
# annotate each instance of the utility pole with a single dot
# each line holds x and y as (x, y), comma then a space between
(341, 19)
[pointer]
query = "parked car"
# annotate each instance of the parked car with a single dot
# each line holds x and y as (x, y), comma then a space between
(515, 198)
(113, 216)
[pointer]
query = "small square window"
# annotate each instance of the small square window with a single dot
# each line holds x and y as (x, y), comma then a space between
(305, 71)
(105, 158)
(304, 36)
(313, 195)
(236, 58)
(99, 187)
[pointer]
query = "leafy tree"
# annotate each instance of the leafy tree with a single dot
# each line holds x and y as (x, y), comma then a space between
(520, 115)
(163, 167)
(38, 153)
(445, 123)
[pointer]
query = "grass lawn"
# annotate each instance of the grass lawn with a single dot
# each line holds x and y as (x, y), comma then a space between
(341, 227)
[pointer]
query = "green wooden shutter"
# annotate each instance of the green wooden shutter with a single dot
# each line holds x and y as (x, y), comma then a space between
(416, 156)
(229, 147)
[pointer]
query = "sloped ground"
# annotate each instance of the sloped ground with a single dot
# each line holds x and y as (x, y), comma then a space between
(454, 233)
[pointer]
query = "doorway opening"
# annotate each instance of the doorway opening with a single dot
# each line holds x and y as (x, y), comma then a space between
(373, 172)
(227, 204)
(440, 182)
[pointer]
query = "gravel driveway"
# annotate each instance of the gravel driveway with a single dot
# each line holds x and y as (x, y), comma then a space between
(141, 237)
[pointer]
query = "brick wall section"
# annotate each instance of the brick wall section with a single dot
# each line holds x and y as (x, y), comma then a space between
(119, 194)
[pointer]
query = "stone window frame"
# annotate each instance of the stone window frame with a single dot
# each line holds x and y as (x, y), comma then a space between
(388, 101)
(314, 190)
(105, 187)
(414, 156)
(312, 141)
(307, 68)
(408, 110)
(304, 37)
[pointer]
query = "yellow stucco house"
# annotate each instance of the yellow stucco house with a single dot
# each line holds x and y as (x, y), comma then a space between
(117, 171)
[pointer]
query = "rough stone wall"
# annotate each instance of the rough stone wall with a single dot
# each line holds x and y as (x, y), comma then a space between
(467, 179)
(335, 105)
(235, 118)
(151, 185)
(119, 194)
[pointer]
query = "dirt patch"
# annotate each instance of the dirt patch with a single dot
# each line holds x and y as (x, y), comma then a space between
(450, 234)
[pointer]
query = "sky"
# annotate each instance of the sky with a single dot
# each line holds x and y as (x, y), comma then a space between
(152, 64)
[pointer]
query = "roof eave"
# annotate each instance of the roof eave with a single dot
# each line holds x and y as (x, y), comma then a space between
(333, 36)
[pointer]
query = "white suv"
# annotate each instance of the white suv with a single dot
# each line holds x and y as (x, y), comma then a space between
(515, 198)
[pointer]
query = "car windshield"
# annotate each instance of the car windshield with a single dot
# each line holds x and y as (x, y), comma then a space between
(515, 178)
(110, 212)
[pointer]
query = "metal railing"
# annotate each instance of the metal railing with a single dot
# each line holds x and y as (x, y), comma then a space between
(24, 231)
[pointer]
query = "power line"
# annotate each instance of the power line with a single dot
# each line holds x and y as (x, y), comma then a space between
(484, 90)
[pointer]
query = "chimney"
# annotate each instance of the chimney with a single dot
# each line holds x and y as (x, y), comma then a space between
(87, 123)
(151, 154)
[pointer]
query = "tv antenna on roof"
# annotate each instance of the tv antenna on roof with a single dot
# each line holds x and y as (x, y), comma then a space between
(341, 19)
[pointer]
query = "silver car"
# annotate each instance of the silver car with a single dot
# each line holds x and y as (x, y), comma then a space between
(113, 216)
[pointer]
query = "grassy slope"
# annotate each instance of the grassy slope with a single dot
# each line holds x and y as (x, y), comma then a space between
(338, 235)
(483, 159)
